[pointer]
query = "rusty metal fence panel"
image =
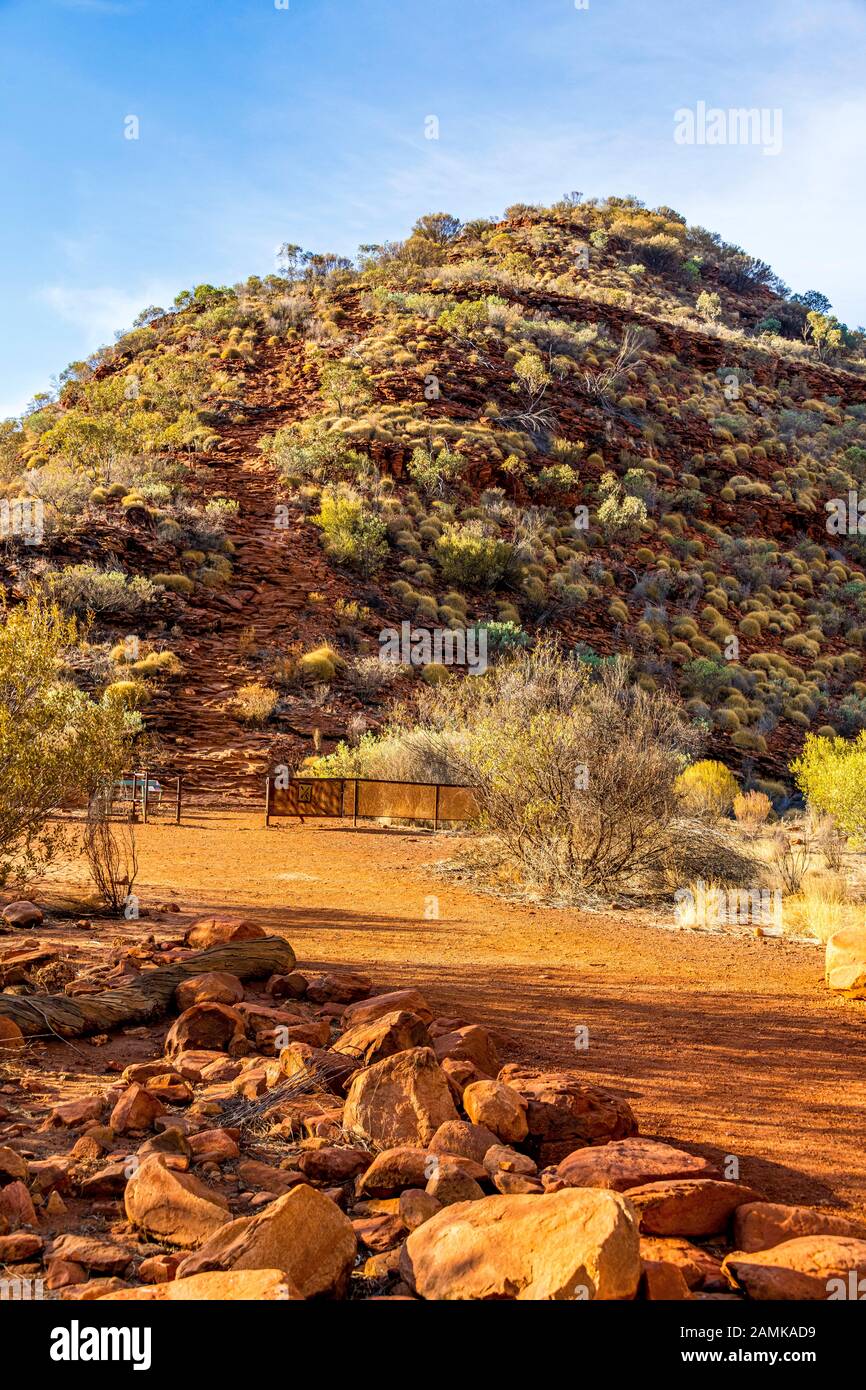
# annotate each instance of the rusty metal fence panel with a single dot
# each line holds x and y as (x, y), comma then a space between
(457, 803)
(370, 799)
(404, 800)
(308, 797)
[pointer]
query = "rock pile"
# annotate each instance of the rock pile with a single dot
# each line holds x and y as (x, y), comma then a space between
(313, 1139)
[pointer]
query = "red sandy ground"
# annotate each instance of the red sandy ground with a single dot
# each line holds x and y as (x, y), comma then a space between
(728, 1045)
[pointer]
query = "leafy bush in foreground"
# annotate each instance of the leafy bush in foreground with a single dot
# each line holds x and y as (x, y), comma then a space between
(55, 742)
(831, 773)
(575, 773)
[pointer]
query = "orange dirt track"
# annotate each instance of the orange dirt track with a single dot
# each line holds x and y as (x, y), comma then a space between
(728, 1044)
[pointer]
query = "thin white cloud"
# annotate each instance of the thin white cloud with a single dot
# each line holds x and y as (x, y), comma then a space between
(100, 312)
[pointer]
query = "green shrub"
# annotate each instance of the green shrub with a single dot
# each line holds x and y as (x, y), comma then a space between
(709, 306)
(501, 636)
(707, 787)
(433, 471)
(525, 737)
(130, 695)
(176, 583)
(353, 534)
(468, 557)
(751, 809)
(83, 589)
(157, 664)
(831, 773)
(320, 665)
(619, 513)
(434, 673)
(55, 741)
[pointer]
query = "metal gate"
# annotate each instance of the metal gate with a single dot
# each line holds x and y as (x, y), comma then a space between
(369, 798)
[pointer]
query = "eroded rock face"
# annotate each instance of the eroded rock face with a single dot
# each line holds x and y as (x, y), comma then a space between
(304, 1234)
(71, 1113)
(699, 1266)
(106, 1257)
(11, 1038)
(471, 1043)
(395, 1001)
(333, 1165)
(450, 1182)
(761, 1225)
(22, 1245)
(808, 1267)
(16, 1207)
(171, 1206)
(845, 960)
(663, 1282)
(627, 1163)
(499, 1108)
(689, 1206)
(12, 1166)
(339, 987)
(382, 1037)
(400, 1100)
(23, 914)
(394, 1170)
(464, 1139)
(136, 1109)
(434, 1138)
(562, 1245)
(564, 1112)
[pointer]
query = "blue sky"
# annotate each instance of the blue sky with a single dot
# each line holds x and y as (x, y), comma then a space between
(261, 124)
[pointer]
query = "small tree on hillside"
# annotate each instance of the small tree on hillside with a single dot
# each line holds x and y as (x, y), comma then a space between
(826, 334)
(709, 306)
(440, 227)
(345, 385)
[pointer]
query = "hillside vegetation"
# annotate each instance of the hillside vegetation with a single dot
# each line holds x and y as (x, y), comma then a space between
(589, 420)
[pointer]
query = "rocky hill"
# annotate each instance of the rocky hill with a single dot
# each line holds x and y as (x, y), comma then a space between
(591, 419)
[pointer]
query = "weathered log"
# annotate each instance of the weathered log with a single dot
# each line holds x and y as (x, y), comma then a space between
(146, 997)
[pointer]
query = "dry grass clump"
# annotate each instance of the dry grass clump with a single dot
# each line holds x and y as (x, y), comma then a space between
(751, 809)
(826, 903)
(255, 703)
(320, 665)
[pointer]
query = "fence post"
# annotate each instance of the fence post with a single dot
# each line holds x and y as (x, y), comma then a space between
(144, 791)
(436, 810)
(267, 802)
(177, 804)
(355, 804)
(133, 814)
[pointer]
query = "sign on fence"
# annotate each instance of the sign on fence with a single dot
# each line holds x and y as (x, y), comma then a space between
(371, 799)
(313, 797)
